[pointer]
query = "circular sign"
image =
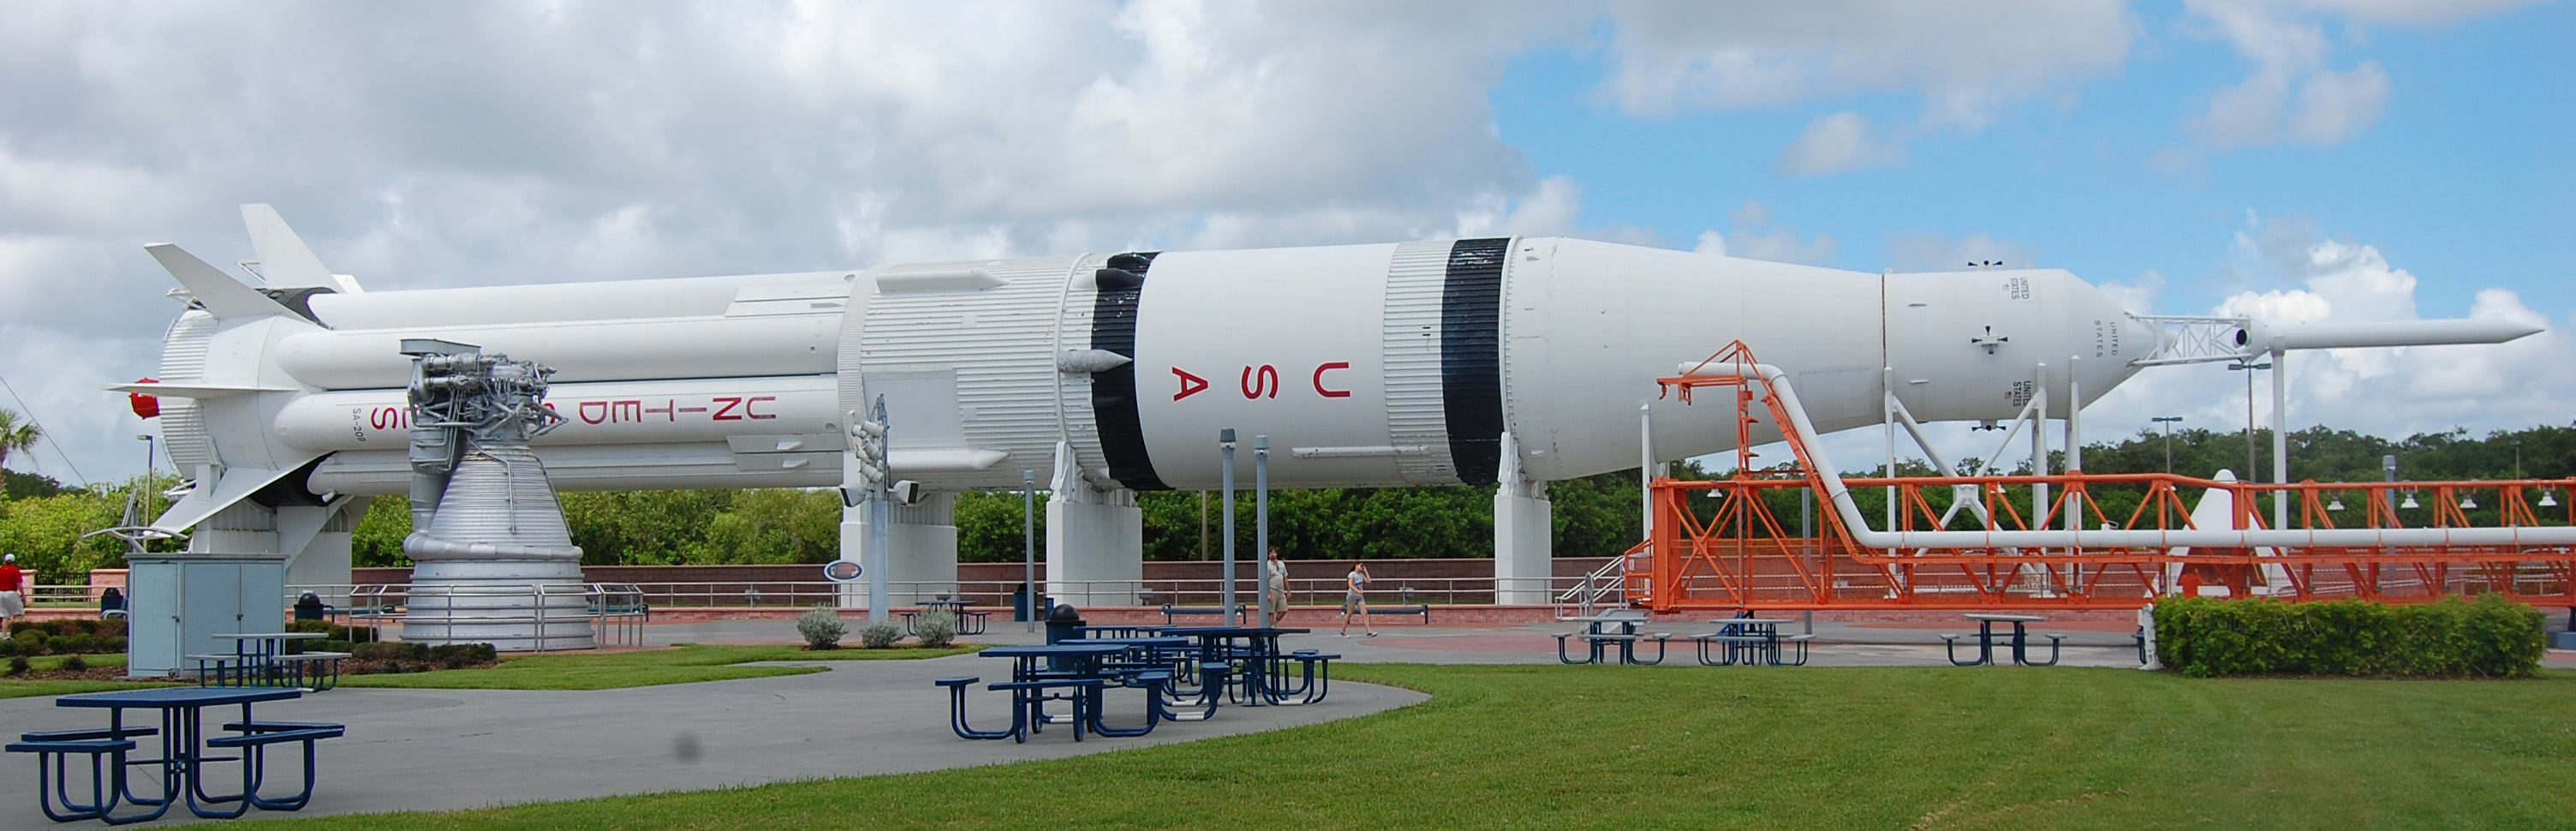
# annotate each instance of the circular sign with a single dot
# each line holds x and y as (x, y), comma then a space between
(841, 571)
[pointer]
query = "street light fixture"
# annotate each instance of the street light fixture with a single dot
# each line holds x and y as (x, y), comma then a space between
(2168, 422)
(2250, 475)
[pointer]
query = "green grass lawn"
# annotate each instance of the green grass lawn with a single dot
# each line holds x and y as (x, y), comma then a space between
(641, 668)
(1687, 747)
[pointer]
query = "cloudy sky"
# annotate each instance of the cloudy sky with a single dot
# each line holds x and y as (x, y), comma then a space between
(2298, 159)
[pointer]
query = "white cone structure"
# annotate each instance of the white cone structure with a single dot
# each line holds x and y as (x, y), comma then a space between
(497, 564)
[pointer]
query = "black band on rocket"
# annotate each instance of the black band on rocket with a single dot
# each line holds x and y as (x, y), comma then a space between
(1113, 391)
(1471, 371)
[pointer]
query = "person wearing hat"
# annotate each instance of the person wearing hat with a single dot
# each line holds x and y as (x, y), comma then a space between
(12, 604)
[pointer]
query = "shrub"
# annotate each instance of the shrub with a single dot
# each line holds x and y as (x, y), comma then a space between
(2449, 638)
(382, 651)
(936, 628)
(74, 663)
(17, 664)
(879, 635)
(460, 655)
(334, 632)
(822, 628)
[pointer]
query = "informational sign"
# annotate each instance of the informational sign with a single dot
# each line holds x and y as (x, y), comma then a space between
(842, 571)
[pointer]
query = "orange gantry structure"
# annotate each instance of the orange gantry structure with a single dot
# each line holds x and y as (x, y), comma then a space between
(1722, 544)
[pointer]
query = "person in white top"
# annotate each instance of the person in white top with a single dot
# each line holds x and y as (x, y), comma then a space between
(1275, 588)
(1355, 600)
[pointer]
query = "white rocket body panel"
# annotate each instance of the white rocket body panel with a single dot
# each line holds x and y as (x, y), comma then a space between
(1366, 365)
(1285, 343)
(1589, 326)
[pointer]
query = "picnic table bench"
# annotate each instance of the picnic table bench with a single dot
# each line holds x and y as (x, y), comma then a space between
(1751, 641)
(183, 759)
(1172, 614)
(969, 621)
(1986, 640)
(1599, 639)
(1423, 609)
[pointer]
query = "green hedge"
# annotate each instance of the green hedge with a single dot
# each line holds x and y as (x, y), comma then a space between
(69, 636)
(2449, 638)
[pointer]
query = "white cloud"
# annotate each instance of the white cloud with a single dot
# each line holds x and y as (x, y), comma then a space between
(1673, 56)
(2292, 95)
(1837, 143)
(1757, 237)
(2414, 11)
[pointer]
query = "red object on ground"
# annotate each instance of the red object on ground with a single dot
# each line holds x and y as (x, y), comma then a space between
(145, 406)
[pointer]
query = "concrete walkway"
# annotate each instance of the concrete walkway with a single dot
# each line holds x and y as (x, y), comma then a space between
(448, 749)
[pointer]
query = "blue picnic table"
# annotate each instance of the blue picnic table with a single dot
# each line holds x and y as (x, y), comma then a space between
(185, 754)
(1258, 667)
(1075, 672)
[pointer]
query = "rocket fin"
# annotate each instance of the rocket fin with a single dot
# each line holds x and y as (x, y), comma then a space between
(231, 486)
(284, 260)
(222, 295)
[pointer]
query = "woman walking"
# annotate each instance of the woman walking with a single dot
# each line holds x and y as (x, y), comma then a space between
(1355, 600)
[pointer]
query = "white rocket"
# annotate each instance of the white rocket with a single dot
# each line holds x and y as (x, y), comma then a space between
(1519, 361)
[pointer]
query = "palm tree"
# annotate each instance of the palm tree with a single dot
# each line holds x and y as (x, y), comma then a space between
(16, 436)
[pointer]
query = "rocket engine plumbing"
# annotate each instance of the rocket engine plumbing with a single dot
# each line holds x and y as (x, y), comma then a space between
(492, 559)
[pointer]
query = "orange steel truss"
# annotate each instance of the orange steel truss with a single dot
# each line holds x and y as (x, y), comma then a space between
(1735, 553)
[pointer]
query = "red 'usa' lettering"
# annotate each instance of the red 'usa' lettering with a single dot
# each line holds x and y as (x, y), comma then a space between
(1262, 382)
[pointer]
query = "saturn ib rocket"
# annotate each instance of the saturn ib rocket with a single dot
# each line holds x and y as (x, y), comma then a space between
(1509, 361)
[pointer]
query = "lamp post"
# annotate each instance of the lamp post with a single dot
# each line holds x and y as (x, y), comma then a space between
(2168, 422)
(150, 486)
(2249, 413)
(1029, 547)
(1225, 450)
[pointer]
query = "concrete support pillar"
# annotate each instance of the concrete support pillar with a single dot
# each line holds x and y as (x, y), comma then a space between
(1095, 539)
(1524, 529)
(315, 540)
(921, 551)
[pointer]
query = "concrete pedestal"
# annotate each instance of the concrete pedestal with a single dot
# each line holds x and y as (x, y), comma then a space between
(1095, 547)
(921, 551)
(1524, 565)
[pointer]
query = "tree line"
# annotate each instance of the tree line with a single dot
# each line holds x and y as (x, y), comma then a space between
(42, 520)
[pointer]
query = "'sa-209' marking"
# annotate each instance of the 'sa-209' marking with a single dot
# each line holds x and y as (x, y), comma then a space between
(1257, 382)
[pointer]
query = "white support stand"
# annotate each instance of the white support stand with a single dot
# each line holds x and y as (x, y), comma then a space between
(316, 541)
(921, 551)
(1095, 540)
(1524, 563)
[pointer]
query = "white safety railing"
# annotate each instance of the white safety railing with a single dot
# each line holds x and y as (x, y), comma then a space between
(786, 594)
(615, 613)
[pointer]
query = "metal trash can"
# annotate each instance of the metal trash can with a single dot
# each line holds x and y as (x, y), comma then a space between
(1063, 624)
(1020, 604)
(308, 607)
